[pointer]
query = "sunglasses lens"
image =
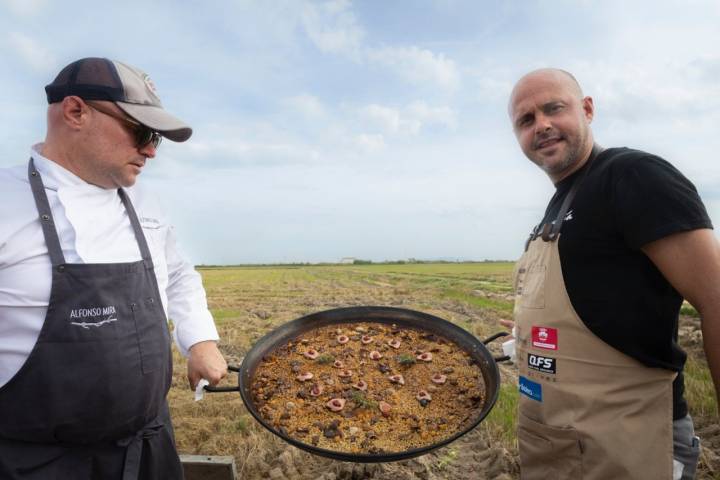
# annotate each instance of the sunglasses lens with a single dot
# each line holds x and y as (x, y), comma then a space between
(145, 136)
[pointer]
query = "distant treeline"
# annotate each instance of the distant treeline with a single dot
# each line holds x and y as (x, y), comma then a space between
(357, 261)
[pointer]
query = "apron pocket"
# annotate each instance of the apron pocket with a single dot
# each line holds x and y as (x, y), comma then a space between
(531, 286)
(153, 335)
(548, 452)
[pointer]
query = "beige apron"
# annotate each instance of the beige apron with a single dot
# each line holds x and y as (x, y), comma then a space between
(586, 410)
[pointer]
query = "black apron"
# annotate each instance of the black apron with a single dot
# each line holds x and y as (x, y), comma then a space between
(90, 400)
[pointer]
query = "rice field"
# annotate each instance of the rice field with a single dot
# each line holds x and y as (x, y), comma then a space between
(249, 301)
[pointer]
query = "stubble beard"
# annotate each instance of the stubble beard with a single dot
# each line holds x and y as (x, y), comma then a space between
(571, 157)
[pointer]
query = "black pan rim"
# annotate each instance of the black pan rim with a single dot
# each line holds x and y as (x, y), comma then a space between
(337, 316)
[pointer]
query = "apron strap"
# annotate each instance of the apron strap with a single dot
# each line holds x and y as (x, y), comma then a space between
(137, 229)
(551, 231)
(134, 446)
(48, 224)
(46, 217)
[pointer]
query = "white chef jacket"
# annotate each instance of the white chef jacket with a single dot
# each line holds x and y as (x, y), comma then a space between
(93, 227)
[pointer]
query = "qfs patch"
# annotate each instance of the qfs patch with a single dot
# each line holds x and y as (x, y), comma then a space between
(541, 364)
(544, 337)
(531, 389)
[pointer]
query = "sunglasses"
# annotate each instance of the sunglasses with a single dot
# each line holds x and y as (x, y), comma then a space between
(143, 135)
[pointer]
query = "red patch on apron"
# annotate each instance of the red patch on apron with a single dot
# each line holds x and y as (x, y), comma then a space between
(544, 337)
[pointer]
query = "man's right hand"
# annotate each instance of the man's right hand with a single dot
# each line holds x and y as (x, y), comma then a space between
(509, 324)
(206, 361)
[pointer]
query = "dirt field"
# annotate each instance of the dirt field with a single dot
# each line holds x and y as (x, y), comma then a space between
(249, 302)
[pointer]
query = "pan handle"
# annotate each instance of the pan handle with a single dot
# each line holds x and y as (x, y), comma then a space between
(494, 337)
(232, 368)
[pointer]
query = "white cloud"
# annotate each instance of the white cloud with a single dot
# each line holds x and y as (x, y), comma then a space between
(388, 119)
(418, 66)
(706, 67)
(332, 27)
(671, 90)
(492, 86)
(307, 105)
(25, 7)
(322, 125)
(229, 153)
(370, 143)
(31, 52)
(425, 114)
(410, 120)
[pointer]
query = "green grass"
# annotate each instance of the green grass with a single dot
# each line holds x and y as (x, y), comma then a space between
(502, 420)
(227, 278)
(447, 459)
(493, 276)
(469, 269)
(499, 305)
(699, 390)
(243, 423)
(689, 310)
(223, 317)
(236, 295)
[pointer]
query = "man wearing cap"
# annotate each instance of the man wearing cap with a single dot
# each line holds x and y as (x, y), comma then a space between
(598, 292)
(89, 273)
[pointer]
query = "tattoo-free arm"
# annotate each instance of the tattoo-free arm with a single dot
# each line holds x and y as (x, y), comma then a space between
(690, 261)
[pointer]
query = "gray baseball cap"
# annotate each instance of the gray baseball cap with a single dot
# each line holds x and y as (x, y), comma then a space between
(128, 87)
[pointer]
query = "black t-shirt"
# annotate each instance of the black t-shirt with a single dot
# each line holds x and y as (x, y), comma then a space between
(628, 199)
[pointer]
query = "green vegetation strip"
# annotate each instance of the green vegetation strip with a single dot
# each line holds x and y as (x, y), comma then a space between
(689, 310)
(502, 420)
(699, 390)
(496, 304)
(223, 316)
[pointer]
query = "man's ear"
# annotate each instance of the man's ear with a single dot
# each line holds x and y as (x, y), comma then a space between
(588, 108)
(74, 112)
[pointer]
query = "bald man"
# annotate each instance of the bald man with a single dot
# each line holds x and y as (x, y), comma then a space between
(599, 287)
(89, 273)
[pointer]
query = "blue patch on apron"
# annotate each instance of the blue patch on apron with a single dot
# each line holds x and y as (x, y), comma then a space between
(530, 389)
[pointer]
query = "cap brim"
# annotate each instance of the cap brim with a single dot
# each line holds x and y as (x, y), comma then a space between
(158, 119)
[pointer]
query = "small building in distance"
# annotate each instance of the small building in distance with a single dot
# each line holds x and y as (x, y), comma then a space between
(347, 260)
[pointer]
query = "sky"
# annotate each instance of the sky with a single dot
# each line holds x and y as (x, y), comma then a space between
(371, 129)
